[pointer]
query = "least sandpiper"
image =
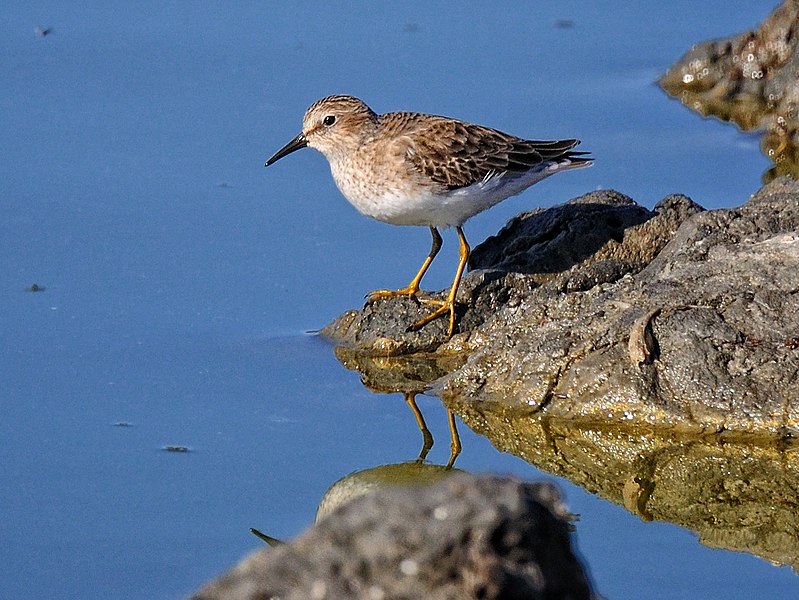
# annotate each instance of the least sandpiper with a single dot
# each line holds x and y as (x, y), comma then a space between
(409, 168)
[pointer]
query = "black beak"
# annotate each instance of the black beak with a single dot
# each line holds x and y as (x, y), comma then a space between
(295, 144)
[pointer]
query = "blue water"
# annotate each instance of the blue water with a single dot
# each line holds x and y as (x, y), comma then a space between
(181, 276)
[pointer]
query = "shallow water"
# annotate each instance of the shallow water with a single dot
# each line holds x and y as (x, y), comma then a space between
(180, 276)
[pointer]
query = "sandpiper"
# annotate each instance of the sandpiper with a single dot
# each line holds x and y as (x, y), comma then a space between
(409, 168)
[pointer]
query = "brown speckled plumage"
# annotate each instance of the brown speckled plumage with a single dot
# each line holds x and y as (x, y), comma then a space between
(457, 154)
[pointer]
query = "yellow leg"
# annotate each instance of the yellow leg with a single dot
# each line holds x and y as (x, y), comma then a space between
(427, 437)
(448, 305)
(455, 447)
(413, 287)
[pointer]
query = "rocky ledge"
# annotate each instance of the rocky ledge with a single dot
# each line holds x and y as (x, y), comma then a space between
(601, 311)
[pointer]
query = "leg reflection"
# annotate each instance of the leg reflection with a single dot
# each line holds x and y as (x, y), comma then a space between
(427, 443)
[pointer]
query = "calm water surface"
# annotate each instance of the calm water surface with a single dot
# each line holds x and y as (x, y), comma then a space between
(180, 276)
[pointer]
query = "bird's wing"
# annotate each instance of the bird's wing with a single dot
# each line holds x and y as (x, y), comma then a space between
(455, 154)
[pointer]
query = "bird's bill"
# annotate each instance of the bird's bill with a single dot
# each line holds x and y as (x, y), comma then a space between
(295, 144)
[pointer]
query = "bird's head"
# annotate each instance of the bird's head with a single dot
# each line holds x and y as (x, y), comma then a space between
(335, 126)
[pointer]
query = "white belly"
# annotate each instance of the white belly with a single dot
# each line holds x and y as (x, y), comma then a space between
(402, 201)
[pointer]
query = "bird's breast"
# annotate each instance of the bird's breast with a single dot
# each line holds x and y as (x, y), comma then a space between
(384, 190)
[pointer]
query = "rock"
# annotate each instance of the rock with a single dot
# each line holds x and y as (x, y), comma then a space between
(721, 303)
(598, 228)
(596, 238)
(749, 79)
(463, 537)
(676, 317)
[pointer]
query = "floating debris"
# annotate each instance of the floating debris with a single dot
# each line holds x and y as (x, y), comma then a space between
(176, 448)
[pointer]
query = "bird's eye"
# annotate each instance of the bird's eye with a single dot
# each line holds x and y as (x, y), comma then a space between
(329, 120)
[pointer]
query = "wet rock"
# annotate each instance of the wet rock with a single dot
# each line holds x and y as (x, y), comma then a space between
(749, 79)
(677, 317)
(464, 537)
(596, 238)
(721, 305)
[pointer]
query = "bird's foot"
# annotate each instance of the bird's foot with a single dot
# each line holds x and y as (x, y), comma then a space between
(444, 307)
(409, 291)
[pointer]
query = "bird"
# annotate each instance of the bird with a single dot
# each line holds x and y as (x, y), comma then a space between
(409, 168)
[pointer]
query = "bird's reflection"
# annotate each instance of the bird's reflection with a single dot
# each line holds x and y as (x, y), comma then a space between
(455, 445)
(411, 473)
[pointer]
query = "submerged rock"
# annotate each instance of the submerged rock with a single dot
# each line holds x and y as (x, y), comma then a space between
(601, 311)
(463, 537)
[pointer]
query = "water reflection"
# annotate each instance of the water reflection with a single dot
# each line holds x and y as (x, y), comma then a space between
(412, 473)
(748, 80)
(780, 138)
(408, 376)
(780, 145)
(406, 474)
(390, 375)
(736, 492)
